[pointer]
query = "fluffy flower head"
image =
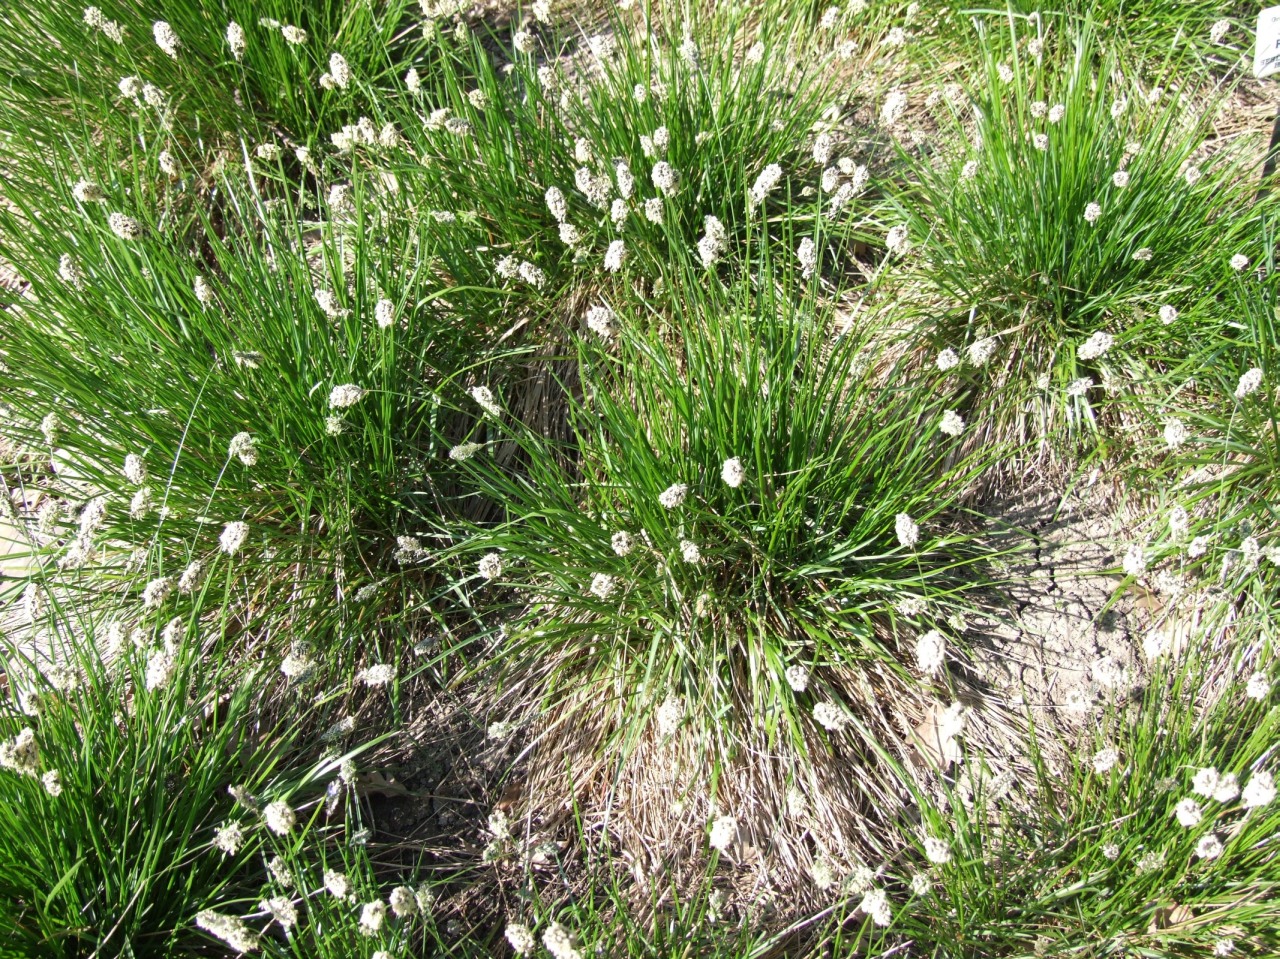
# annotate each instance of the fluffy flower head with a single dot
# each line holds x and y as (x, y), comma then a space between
(907, 531)
(345, 395)
(674, 495)
(233, 537)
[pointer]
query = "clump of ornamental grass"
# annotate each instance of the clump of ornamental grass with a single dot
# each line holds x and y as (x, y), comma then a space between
(678, 910)
(890, 43)
(1177, 38)
(256, 398)
(192, 74)
(1199, 36)
(1156, 834)
(117, 749)
(736, 593)
(318, 894)
(605, 164)
(1214, 429)
(1077, 206)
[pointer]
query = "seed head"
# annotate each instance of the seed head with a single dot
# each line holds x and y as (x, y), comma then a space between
(403, 902)
(674, 495)
(236, 40)
(614, 256)
(485, 400)
(765, 183)
(600, 321)
(952, 423)
(491, 566)
(1209, 846)
(1104, 760)
(86, 191)
(244, 446)
(623, 177)
(823, 147)
(556, 203)
(233, 537)
(337, 884)
(21, 754)
(560, 942)
(875, 903)
(828, 716)
(907, 531)
(1249, 383)
(1258, 686)
(724, 832)
(135, 469)
(713, 241)
(339, 71)
(125, 227)
(228, 837)
(166, 39)
(1095, 346)
(1135, 560)
(665, 178)
(1259, 791)
(230, 929)
(807, 254)
(931, 652)
(157, 591)
(936, 850)
(1188, 813)
(981, 351)
(733, 473)
(521, 938)
(384, 313)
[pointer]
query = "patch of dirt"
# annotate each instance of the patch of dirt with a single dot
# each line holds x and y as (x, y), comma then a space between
(1069, 641)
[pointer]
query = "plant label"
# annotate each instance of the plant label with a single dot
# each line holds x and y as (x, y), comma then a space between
(1266, 55)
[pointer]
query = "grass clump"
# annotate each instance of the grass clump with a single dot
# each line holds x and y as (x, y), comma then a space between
(749, 548)
(1079, 213)
(204, 74)
(274, 374)
(110, 814)
(1214, 424)
(322, 897)
(602, 168)
(1159, 839)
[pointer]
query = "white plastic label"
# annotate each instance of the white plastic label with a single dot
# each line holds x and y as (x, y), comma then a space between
(1266, 55)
